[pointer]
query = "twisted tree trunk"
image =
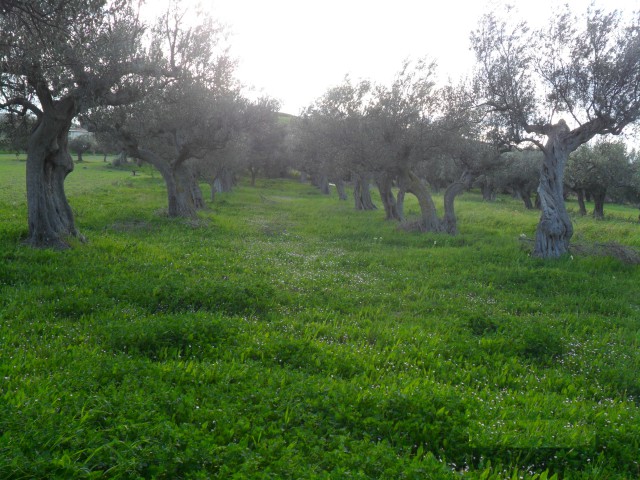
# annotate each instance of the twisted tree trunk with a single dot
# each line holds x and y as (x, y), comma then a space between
(429, 221)
(525, 195)
(384, 182)
(554, 229)
(362, 194)
(50, 217)
(450, 222)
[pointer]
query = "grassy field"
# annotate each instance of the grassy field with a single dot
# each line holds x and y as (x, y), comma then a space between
(282, 334)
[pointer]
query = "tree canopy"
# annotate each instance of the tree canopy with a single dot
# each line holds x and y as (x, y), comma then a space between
(59, 58)
(558, 87)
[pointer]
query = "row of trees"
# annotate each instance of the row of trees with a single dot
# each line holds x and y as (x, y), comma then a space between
(167, 95)
(400, 135)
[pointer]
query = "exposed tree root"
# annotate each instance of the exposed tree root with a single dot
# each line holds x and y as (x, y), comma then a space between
(624, 253)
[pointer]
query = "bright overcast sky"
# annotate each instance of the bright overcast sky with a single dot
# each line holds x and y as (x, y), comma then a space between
(294, 50)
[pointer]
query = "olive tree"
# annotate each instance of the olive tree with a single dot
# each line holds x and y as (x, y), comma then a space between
(558, 87)
(336, 137)
(81, 144)
(597, 170)
(184, 119)
(59, 58)
(413, 123)
(521, 174)
(264, 135)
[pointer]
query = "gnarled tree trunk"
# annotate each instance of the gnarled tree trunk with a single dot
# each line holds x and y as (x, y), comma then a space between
(384, 182)
(362, 194)
(224, 181)
(429, 221)
(525, 195)
(488, 189)
(342, 192)
(450, 222)
(180, 190)
(554, 229)
(48, 164)
(322, 182)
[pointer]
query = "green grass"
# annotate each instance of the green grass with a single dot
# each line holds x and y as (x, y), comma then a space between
(284, 335)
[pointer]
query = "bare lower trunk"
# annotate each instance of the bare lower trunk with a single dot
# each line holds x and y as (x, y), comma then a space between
(224, 181)
(598, 205)
(581, 205)
(322, 182)
(554, 229)
(429, 221)
(184, 196)
(181, 198)
(303, 177)
(342, 192)
(384, 183)
(48, 164)
(488, 190)
(253, 172)
(525, 195)
(121, 159)
(400, 203)
(449, 222)
(196, 191)
(362, 194)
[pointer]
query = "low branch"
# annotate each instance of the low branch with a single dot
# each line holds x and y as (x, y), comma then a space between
(23, 102)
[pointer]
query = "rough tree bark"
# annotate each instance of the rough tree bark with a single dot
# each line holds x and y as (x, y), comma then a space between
(554, 230)
(340, 188)
(581, 205)
(48, 164)
(224, 181)
(362, 194)
(525, 195)
(184, 196)
(450, 222)
(488, 190)
(429, 221)
(598, 204)
(322, 182)
(384, 182)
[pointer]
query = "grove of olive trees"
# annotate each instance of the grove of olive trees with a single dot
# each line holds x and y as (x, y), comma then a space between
(167, 95)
